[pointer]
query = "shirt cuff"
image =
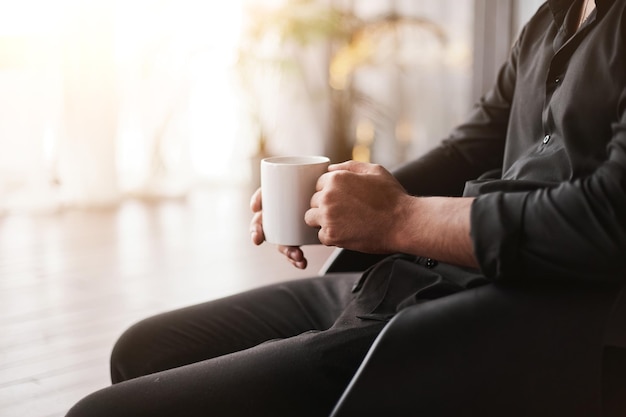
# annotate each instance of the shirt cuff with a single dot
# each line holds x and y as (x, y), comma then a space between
(496, 221)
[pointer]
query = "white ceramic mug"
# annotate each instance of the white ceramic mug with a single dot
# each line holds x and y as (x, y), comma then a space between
(287, 184)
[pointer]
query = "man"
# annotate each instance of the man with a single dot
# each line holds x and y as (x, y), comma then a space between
(541, 164)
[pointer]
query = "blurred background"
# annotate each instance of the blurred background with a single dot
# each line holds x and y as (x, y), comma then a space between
(104, 99)
(130, 138)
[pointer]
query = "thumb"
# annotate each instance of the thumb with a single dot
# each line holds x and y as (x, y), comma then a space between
(353, 166)
(255, 201)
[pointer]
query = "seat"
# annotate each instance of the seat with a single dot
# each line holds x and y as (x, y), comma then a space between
(517, 349)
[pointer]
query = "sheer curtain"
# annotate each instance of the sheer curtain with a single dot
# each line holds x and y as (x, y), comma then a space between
(101, 99)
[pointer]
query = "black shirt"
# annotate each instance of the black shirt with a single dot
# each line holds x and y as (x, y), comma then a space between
(549, 140)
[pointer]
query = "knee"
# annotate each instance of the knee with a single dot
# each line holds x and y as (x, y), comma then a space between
(93, 405)
(134, 351)
(121, 400)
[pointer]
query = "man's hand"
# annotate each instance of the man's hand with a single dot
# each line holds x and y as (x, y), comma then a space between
(294, 254)
(359, 206)
(363, 207)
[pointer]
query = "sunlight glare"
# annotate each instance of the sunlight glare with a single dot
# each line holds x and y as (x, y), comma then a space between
(30, 17)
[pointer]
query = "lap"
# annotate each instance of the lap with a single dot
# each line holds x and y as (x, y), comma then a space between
(299, 366)
(302, 376)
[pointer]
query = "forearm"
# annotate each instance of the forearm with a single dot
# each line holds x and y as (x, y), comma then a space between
(436, 227)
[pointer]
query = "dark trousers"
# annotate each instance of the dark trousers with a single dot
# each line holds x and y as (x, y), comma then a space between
(288, 349)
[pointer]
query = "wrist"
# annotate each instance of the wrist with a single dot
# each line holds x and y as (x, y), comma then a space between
(405, 233)
(435, 227)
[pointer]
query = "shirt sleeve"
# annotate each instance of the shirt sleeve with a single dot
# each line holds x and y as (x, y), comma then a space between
(573, 231)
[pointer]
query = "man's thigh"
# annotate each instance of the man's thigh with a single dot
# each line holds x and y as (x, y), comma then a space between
(230, 324)
(303, 375)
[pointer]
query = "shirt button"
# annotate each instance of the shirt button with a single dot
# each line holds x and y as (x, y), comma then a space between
(546, 139)
(557, 80)
(430, 263)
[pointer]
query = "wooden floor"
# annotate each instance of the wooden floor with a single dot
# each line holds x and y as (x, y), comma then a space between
(71, 282)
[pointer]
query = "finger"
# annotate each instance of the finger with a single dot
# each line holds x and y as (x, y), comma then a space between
(340, 166)
(321, 181)
(256, 228)
(255, 201)
(301, 264)
(354, 166)
(311, 217)
(315, 200)
(321, 235)
(294, 255)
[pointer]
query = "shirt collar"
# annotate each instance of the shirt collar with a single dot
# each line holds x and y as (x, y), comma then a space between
(559, 7)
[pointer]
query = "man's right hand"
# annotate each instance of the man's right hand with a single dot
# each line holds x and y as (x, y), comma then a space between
(294, 254)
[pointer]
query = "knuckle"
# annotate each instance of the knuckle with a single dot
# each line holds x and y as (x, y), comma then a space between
(339, 179)
(378, 169)
(325, 199)
(321, 235)
(336, 175)
(330, 235)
